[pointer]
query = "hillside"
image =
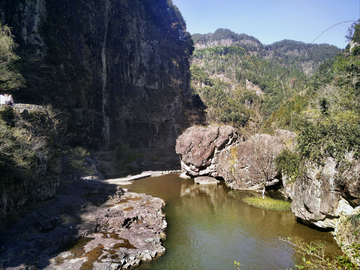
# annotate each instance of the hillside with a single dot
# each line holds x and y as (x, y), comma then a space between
(240, 79)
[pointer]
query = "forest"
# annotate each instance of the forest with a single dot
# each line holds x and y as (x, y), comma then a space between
(241, 80)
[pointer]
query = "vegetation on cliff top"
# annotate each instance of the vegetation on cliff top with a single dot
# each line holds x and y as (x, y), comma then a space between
(10, 77)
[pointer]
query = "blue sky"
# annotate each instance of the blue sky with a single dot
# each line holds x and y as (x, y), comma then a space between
(273, 20)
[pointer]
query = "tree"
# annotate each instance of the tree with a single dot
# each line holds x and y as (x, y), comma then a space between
(10, 77)
(353, 33)
(265, 149)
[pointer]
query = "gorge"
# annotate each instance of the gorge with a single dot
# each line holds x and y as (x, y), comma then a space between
(123, 84)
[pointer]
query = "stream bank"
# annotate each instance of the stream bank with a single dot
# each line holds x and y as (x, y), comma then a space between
(87, 225)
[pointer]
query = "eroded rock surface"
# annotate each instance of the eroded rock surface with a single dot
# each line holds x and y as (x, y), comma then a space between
(247, 165)
(198, 147)
(222, 152)
(88, 225)
(329, 199)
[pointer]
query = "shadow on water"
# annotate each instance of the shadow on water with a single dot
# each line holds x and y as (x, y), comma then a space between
(210, 226)
(53, 226)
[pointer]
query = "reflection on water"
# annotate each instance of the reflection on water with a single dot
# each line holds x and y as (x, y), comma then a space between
(210, 226)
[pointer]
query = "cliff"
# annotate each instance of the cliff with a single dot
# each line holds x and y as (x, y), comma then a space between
(118, 68)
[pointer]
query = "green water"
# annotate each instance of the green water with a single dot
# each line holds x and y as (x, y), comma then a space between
(210, 226)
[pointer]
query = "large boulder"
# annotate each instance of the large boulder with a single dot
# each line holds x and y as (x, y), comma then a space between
(317, 195)
(198, 147)
(251, 164)
(222, 152)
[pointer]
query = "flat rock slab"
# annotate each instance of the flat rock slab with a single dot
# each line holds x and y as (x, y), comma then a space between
(206, 180)
(87, 225)
(129, 178)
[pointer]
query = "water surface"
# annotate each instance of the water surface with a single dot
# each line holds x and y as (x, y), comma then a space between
(210, 226)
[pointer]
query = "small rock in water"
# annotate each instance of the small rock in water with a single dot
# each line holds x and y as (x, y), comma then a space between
(184, 176)
(205, 180)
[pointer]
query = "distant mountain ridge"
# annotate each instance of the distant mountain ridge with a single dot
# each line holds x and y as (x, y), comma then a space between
(286, 51)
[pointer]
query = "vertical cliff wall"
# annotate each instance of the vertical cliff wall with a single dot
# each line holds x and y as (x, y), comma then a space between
(119, 68)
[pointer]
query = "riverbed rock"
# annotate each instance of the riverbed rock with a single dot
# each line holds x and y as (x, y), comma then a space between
(89, 224)
(206, 180)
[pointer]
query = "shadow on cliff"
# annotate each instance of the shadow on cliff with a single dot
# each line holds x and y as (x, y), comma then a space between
(50, 227)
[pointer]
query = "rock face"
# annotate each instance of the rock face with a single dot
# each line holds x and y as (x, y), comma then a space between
(246, 166)
(317, 195)
(329, 199)
(323, 194)
(88, 225)
(119, 69)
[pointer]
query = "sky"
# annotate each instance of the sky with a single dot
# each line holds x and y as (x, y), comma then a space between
(274, 20)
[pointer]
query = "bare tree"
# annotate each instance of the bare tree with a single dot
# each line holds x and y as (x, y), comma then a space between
(265, 149)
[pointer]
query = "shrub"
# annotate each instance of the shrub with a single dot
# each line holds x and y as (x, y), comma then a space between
(124, 156)
(288, 163)
(75, 160)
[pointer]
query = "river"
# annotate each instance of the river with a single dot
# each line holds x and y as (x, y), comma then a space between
(210, 226)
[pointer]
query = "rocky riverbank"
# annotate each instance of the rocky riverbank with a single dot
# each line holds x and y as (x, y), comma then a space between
(87, 225)
(323, 196)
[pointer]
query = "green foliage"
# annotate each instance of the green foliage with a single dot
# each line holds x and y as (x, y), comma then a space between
(354, 32)
(268, 203)
(315, 257)
(124, 156)
(10, 77)
(74, 160)
(319, 140)
(289, 164)
(354, 217)
(239, 81)
(20, 151)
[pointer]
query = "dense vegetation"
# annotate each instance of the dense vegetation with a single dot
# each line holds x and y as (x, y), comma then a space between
(10, 77)
(25, 138)
(241, 80)
(327, 115)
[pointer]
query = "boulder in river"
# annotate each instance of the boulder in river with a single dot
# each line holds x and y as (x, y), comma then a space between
(222, 152)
